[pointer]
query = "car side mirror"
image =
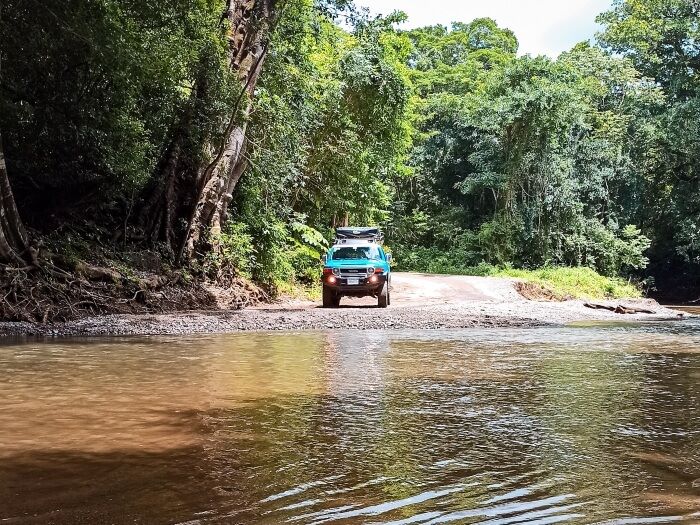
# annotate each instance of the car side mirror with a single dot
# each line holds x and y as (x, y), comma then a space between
(324, 259)
(389, 257)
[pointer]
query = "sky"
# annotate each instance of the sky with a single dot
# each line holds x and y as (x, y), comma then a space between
(543, 27)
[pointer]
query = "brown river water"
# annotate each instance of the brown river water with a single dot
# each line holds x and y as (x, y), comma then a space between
(596, 424)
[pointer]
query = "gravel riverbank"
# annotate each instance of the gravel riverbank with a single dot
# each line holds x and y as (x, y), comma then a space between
(419, 301)
(303, 317)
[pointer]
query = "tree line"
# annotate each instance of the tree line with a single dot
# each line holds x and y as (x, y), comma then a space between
(238, 133)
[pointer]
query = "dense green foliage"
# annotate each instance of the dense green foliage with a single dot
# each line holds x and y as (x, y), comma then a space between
(469, 156)
(587, 160)
(527, 167)
(329, 132)
(90, 91)
(661, 38)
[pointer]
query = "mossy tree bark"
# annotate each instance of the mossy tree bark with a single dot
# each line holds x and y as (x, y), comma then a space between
(199, 195)
(250, 23)
(13, 236)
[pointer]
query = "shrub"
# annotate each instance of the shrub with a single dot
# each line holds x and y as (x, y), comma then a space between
(606, 249)
(273, 264)
(235, 250)
(306, 264)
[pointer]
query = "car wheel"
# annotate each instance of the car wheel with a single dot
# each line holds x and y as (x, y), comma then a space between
(383, 298)
(329, 298)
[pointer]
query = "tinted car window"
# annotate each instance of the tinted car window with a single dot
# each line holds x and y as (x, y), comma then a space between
(356, 253)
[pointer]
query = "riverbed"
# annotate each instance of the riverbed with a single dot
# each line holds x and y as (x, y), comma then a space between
(593, 423)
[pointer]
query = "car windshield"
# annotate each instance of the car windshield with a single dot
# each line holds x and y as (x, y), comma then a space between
(356, 253)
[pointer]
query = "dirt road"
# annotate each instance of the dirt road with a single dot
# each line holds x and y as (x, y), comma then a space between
(415, 289)
(418, 290)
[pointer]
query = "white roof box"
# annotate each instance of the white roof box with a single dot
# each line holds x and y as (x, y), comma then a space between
(371, 234)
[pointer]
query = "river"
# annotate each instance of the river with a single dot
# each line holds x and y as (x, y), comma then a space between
(589, 424)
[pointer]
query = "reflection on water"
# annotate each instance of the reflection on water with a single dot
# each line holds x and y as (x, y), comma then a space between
(576, 425)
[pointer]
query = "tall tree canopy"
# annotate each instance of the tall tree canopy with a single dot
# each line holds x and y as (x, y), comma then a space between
(662, 39)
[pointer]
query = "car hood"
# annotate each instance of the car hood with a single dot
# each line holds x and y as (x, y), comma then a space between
(355, 263)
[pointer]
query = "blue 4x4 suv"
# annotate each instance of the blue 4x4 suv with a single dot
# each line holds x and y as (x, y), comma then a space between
(356, 266)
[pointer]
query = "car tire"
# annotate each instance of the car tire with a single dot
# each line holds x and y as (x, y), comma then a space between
(329, 298)
(383, 297)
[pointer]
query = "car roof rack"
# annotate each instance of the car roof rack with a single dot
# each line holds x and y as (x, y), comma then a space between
(369, 234)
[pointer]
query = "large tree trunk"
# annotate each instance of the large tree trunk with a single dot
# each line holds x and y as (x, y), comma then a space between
(250, 22)
(173, 192)
(164, 202)
(13, 236)
(199, 196)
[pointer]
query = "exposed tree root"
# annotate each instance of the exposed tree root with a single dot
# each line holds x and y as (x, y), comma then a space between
(50, 294)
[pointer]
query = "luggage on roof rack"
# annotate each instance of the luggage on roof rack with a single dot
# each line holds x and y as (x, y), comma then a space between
(364, 234)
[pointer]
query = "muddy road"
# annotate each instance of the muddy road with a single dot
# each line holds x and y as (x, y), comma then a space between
(419, 301)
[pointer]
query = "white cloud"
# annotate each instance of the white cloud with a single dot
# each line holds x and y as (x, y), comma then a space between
(545, 27)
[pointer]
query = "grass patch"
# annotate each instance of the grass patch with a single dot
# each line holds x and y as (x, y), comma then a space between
(578, 283)
(305, 292)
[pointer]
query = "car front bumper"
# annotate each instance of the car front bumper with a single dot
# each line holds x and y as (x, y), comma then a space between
(364, 286)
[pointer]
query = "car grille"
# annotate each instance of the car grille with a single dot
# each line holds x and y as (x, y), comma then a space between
(353, 272)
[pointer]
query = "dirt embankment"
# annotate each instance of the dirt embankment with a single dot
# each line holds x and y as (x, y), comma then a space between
(59, 289)
(418, 301)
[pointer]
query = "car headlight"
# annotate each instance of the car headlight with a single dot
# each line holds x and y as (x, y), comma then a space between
(336, 272)
(370, 270)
